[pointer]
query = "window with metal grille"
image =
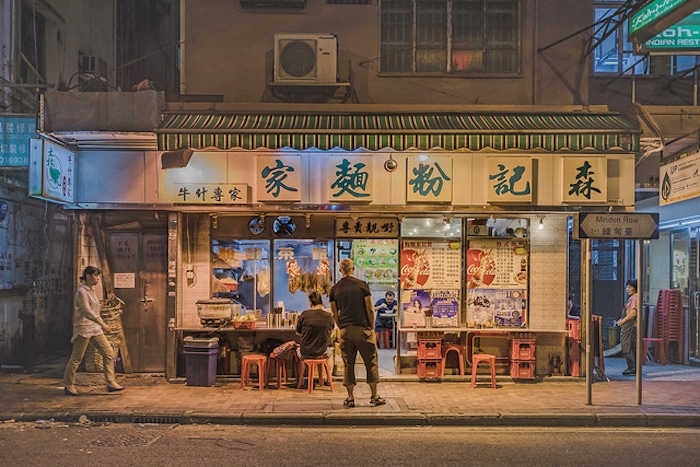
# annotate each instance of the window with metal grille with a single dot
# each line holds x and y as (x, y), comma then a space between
(450, 36)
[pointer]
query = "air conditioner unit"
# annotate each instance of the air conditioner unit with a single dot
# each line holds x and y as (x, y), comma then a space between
(306, 59)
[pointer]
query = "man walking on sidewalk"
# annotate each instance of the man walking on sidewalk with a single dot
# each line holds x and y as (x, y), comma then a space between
(353, 311)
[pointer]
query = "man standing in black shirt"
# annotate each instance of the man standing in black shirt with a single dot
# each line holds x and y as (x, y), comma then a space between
(353, 311)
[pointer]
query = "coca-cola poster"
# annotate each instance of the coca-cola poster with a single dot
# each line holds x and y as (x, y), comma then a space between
(497, 264)
(430, 265)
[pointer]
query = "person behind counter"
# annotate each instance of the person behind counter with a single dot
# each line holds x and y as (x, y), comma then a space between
(89, 328)
(628, 325)
(353, 312)
(384, 325)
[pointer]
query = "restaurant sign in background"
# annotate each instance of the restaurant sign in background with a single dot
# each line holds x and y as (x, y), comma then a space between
(51, 171)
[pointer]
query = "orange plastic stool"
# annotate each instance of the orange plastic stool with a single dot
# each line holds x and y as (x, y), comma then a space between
(460, 355)
(312, 363)
(280, 369)
(488, 358)
(662, 348)
(246, 363)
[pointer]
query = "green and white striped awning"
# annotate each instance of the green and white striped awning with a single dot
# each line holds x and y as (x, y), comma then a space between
(449, 131)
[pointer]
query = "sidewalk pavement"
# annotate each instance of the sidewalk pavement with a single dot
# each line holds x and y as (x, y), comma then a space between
(670, 398)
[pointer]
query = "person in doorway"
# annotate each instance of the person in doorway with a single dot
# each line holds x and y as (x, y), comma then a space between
(353, 312)
(384, 325)
(573, 309)
(628, 325)
(315, 327)
(89, 328)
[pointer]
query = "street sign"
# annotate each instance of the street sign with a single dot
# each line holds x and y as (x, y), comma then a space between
(622, 226)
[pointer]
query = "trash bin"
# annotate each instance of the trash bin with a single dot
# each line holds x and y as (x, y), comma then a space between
(200, 360)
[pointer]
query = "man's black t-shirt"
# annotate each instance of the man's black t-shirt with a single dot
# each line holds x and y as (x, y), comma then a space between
(349, 296)
(315, 327)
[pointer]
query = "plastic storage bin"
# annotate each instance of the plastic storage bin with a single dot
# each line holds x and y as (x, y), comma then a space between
(200, 360)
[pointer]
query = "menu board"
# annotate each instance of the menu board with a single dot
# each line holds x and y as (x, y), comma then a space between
(497, 273)
(376, 261)
(430, 265)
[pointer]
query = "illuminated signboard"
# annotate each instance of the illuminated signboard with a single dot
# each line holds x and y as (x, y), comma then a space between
(657, 15)
(683, 37)
(15, 133)
(51, 171)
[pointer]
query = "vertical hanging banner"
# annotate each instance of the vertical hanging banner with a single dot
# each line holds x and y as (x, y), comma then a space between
(51, 170)
(279, 178)
(585, 180)
(429, 179)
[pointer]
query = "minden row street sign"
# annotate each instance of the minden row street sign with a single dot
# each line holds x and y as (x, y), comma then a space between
(622, 226)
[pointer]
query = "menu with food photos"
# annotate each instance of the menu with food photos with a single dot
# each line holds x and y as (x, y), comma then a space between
(497, 275)
(376, 261)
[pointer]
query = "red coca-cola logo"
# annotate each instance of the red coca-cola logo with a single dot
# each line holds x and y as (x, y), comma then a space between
(481, 269)
(415, 269)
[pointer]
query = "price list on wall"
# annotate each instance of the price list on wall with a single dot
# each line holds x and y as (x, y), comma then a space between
(430, 265)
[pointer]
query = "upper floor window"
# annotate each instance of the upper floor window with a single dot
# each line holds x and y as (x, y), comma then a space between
(614, 53)
(450, 36)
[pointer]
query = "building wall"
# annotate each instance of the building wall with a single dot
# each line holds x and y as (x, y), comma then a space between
(229, 51)
(36, 280)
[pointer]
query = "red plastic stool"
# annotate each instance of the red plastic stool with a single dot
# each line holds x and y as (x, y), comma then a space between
(654, 340)
(460, 355)
(246, 363)
(488, 358)
(280, 369)
(312, 363)
(383, 337)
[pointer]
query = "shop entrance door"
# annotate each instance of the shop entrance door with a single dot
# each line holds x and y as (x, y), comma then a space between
(139, 266)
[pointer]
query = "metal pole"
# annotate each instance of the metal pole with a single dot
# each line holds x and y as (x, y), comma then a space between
(640, 307)
(588, 325)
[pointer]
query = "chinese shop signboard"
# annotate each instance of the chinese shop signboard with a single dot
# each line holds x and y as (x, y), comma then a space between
(15, 133)
(51, 171)
(211, 193)
(350, 179)
(585, 180)
(367, 227)
(279, 178)
(429, 179)
(510, 180)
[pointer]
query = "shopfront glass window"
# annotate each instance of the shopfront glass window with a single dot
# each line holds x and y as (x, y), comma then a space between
(300, 267)
(243, 267)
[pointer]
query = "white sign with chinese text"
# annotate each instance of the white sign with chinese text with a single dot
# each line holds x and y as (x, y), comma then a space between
(51, 171)
(350, 179)
(211, 193)
(584, 180)
(510, 179)
(367, 227)
(279, 178)
(680, 180)
(429, 179)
